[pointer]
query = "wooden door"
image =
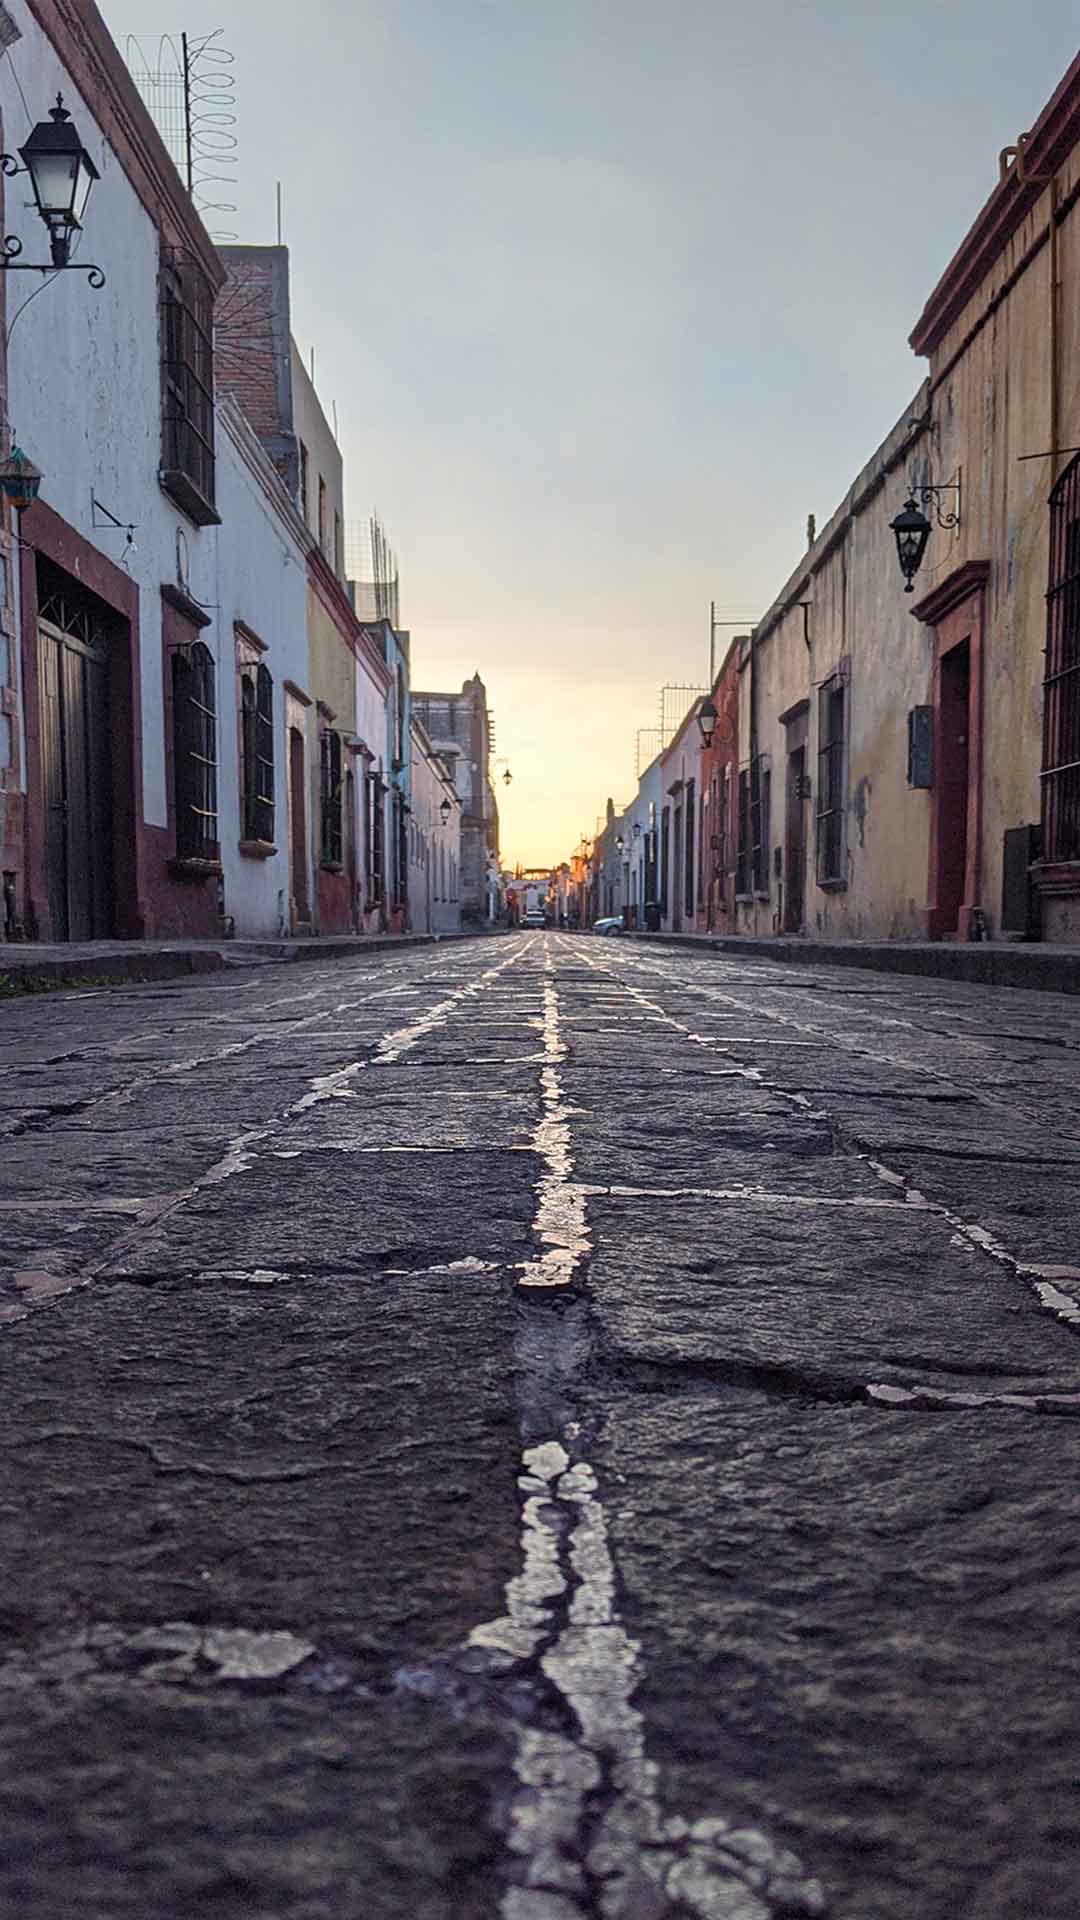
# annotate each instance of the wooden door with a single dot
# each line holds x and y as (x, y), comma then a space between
(795, 843)
(298, 854)
(76, 776)
(953, 779)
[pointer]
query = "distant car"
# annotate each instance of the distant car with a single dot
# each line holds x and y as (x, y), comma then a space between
(612, 924)
(534, 917)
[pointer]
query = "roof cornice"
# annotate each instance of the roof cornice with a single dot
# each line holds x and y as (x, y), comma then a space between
(87, 50)
(1046, 148)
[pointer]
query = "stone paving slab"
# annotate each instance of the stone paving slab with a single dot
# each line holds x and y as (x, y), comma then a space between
(858, 1587)
(825, 1300)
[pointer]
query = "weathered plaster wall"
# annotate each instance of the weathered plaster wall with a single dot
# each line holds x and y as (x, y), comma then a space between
(261, 581)
(992, 405)
(85, 381)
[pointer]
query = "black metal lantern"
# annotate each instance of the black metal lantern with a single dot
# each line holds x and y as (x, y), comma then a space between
(507, 777)
(61, 174)
(20, 480)
(637, 829)
(444, 812)
(619, 842)
(912, 530)
(707, 718)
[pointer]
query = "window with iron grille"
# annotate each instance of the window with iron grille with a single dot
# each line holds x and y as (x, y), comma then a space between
(830, 793)
(187, 385)
(690, 816)
(400, 890)
(330, 789)
(665, 846)
(304, 483)
(1061, 687)
(374, 878)
(194, 721)
(256, 752)
(760, 795)
(743, 853)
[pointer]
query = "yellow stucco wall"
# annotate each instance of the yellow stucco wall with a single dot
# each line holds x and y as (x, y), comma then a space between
(993, 402)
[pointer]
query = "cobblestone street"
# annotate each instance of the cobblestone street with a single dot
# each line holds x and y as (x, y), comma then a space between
(545, 1428)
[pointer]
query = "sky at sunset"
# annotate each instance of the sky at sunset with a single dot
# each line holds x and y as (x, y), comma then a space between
(609, 296)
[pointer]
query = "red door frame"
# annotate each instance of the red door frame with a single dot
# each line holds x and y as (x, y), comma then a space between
(956, 611)
(44, 532)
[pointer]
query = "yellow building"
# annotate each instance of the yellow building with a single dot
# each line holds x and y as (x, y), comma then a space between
(910, 760)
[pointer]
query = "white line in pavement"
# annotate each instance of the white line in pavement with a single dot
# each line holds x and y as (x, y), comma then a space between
(329, 1086)
(586, 1830)
(559, 1221)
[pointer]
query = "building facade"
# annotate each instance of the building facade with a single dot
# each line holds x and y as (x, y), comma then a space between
(458, 726)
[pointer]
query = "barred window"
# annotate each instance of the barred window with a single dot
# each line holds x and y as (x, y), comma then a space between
(743, 862)
(760, 796)
(375, 881)
(194, 720)
(1061, 687)
(187, 385)
(830, 807)
(257, 752)
(689, 860)
(330, 798)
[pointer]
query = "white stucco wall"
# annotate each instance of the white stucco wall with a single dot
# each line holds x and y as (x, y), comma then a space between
(261, 580)
(84, 377)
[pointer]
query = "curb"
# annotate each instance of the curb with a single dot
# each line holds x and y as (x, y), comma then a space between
(82, 968)
(1036, 969)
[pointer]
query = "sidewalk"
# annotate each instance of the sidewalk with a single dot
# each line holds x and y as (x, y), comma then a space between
(989, 963)
(93, 962)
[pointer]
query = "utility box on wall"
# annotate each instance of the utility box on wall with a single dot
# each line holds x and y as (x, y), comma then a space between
(920, 747)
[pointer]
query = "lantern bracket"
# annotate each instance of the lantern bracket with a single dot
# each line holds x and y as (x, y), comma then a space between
(11, 247)
(932, 496)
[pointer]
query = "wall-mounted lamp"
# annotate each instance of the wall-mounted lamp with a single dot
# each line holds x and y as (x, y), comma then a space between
(912, 528)
(20, 480)
(707, 718)
(619, 842)
(61, 174)
(637, 829)
(444, 812)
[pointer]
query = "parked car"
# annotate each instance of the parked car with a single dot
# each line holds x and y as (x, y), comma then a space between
(613, 923)
(534, 917)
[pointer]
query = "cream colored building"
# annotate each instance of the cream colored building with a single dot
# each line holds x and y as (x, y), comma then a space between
(910, 761)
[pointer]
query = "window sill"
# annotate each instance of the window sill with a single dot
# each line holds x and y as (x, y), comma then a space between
(257, 849)
(189, 498)
(833, 886)
(332, 866)
(192, 866)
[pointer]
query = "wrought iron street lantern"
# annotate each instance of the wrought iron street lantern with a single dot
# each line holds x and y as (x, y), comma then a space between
(444, 812)
(20, 480)
(507, 777)
(912, 530)
(62, 175)
(637, 829)
(619, 842)
(707, 718)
